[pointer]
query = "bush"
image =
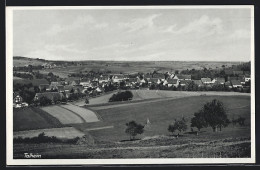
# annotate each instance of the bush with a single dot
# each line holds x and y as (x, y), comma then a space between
(121, 96)
(42, 138)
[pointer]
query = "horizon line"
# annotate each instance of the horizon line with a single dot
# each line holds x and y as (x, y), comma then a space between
(138, 60)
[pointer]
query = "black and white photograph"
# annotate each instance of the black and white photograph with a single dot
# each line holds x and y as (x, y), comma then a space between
(130, 85)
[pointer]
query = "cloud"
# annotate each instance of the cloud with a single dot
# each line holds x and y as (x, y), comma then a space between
(139, 23)
(204, 25)
(87, 22)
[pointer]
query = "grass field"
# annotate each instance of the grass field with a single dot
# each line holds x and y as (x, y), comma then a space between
(63, 115)
(33, 118)
(87, 115)
(162, 113)
(65, 133)
(111, 141)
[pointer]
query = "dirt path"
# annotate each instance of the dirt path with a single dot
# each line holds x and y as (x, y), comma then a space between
(100, 128)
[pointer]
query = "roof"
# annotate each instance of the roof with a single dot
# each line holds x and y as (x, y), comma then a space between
(54, 83)
(183, 76)
(68, 87)
(160, 76)
(153, 80)
(235, 82)
(185, 81)
(50, 95)
(205, 80)
(119, 76)
(220, 80)
(60, 88)
(227, 83)
(132, 80)
(198, 82)
(172, 81)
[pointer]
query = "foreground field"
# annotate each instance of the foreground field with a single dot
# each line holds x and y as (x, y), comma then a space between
(62, 133)
(111, 140)
(33, 118)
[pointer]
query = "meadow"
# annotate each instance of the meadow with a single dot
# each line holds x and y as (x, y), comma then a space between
(111, 141)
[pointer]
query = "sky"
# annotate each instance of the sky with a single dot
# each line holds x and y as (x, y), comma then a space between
(133, 34)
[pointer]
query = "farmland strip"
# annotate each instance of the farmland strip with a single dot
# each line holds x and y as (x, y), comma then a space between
(74, 113)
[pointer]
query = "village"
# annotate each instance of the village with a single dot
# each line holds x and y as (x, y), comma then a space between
(77, 86)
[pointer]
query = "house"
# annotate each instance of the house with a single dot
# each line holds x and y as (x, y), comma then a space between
(18, 101)
(116, 78)
(103, 79)
(131, 81)
(154, 80)
(184, 82)
(184, 77)
(228, 84)
(60, 88)
(75, 82)
(85, 83)
(206, 80)
(53, 96)
(159, 76)
(236, 83)
(247, 77)
(218, 80)
(148, 76)
(68, 88)
(17, 98)
(44, 87)
(173, 82)
(198, 83)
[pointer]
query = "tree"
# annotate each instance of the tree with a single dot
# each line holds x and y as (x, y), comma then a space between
(215, 115)
(198, 121)
(241, 121)
(44, 101)
(87, 101)
(134, 129)
(171, 128)
(179, 125)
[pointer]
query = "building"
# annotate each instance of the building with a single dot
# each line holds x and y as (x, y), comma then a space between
(159, 76)
(172, 82)
(154, 80)
(198, 83)
(206, 81)
(184, 77)
(228, 84)
(219, 80)
(44, 87)
(236, 84)
(117, 78)
(184, 82)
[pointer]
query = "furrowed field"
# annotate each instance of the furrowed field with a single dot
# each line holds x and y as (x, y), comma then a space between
(161, 108)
